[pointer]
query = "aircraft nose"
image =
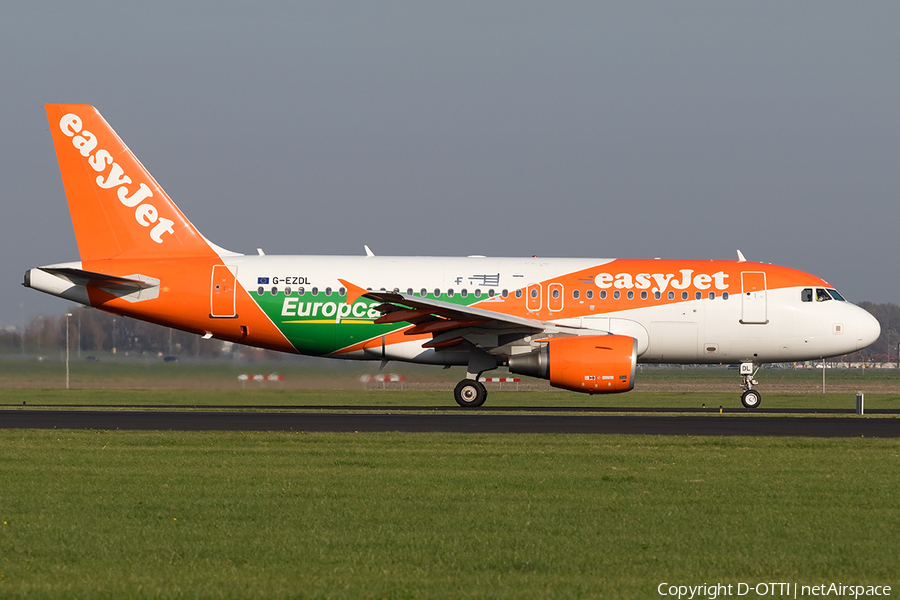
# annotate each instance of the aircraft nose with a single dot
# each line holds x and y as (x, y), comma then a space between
(867, 329)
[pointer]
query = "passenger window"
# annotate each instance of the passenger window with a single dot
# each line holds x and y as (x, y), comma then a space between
(261, 290)
(671, 295)
(437, 292)
(575, 294)
(274, 291)
(315, 291)
(342, 291)
(616, 294)
(822, 295)
(602, 294)
(301, 291)
(657, 295)
(555, 294)
(423, 292)
(712, 295)
(518, 293)
(478, 293)
(450, 293)
(630, 295)
(698, 295)
(589, 294)
(534, 293)
(724, 295)
(643, 295)
(409, 291)
(328, 291)
(684, 295)
(287, 291)
(464, 293)
(806, 295)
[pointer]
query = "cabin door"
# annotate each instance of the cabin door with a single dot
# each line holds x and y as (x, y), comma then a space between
(753, 298)
(222, 296)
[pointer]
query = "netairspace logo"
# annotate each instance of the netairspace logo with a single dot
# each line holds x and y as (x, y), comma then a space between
(772, 590)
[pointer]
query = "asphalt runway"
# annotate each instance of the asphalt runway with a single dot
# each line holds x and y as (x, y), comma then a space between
(468, 422)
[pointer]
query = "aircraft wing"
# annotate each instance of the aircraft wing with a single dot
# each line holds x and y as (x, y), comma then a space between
(449, 324)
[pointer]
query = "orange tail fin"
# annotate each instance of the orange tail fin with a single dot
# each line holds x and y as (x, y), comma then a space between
(118, 210)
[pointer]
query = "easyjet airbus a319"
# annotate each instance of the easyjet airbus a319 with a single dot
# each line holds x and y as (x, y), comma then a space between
(584, 324)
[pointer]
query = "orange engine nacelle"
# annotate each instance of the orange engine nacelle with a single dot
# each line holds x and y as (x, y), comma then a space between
(595, 364)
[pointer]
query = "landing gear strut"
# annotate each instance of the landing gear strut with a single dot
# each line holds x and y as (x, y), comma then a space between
(470, 393)
(750, 398)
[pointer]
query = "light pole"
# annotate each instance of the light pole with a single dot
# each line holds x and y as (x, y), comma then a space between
(24, 326)
(67, 349)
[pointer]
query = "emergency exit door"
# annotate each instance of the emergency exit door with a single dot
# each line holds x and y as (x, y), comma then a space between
(222, 296)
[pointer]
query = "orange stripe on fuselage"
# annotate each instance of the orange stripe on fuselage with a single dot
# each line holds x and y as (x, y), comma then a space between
(642, 275)
(184, 301)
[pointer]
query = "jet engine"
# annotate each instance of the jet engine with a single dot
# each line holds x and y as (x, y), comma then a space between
(593, 364)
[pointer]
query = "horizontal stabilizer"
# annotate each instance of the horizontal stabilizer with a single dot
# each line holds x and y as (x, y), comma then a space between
(91, 279)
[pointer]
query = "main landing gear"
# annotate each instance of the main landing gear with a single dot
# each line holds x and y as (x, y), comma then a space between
(470, 393)
(750, 398)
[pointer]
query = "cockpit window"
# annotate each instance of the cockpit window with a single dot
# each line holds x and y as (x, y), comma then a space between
(836, 296)
(806, 295)
(822, 295)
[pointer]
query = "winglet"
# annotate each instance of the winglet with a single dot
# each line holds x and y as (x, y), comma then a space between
(741, 256)
(354, 292)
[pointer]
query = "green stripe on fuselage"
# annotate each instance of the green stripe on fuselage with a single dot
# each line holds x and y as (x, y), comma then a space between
(323, 324)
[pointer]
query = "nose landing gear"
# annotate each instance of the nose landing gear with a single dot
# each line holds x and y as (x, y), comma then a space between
(750, 398)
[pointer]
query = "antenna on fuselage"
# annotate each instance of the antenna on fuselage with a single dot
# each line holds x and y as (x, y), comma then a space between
(741, 256)
(368, 252)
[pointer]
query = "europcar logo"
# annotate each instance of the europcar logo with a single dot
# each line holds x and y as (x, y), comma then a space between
(145, 213)
(292, 307)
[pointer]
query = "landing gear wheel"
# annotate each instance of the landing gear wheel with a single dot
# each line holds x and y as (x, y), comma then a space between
(751, 399)
(470, 393)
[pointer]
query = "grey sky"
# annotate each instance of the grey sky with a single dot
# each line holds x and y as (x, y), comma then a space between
(632, 129)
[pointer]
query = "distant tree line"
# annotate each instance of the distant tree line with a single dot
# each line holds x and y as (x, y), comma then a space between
(95, 331)
(885, 347)
(92, 330)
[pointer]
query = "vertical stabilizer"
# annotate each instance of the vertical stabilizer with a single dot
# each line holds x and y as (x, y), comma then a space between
(118, 210)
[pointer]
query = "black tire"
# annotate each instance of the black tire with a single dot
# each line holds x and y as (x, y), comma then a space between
(470, 393)
(751, 399)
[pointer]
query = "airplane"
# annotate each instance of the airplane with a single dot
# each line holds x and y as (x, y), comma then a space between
(583, 324)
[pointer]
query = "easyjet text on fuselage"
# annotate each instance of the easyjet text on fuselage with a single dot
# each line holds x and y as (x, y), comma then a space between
(683, 280)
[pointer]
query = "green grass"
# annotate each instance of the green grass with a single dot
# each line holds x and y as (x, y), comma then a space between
(231, 515)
